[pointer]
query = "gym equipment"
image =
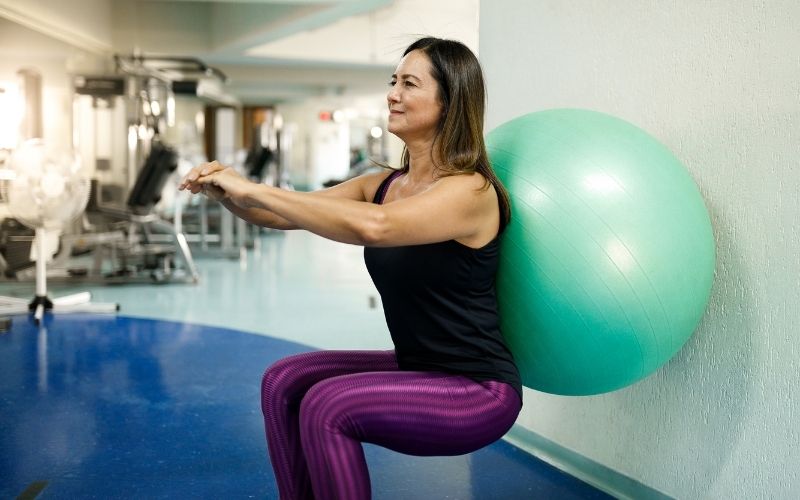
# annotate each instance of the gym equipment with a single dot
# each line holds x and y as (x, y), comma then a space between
(608, 261)
(149, 244)
(45, 191)
(128, 239)
(257, 160)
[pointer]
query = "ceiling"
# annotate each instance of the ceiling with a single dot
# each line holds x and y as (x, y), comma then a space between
(272, 51)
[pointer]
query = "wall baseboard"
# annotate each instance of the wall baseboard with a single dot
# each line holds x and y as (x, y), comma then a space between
(576, 465)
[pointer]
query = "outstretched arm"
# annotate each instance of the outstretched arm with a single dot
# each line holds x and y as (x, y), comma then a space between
(359, 189)
(258, 216)
(454, 207)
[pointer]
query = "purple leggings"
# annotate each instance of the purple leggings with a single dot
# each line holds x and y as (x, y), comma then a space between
(319, 406)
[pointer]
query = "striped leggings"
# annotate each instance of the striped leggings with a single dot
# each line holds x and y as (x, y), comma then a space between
(319, 406)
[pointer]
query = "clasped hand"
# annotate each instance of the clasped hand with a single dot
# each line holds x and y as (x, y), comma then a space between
(217, 182)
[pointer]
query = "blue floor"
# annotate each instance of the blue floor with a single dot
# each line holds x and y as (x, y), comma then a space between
(122, 407)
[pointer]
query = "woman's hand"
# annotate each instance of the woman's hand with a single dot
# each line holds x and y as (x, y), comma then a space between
(229, 184)
(190, 181)
(217, 182)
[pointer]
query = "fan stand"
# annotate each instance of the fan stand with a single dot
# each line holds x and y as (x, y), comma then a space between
(41, 303)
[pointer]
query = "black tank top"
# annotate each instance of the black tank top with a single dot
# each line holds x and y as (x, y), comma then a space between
(441, 307)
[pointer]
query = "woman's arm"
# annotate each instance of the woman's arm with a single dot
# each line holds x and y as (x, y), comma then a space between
(455, 207)
(361, 188)
(258, 216)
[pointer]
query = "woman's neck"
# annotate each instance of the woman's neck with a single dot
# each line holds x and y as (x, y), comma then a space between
(421, 165)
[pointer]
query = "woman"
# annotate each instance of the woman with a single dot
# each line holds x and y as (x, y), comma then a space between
(431, 236)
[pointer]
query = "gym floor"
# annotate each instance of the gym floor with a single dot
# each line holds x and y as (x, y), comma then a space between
(162, 401)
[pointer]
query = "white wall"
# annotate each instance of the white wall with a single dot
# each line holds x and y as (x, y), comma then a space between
(719, 83)
(55, 60)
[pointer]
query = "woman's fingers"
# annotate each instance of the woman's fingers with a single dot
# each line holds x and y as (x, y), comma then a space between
(214, 166)
(211, 179)
(190, 177)
(209, 186)
(205, 184)
(199, 171)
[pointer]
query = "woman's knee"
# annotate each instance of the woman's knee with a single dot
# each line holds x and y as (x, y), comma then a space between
(275, 374)
(324, 408)
(282, 379)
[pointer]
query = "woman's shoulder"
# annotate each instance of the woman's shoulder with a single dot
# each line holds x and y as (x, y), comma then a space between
(370, 183)
(474, 182)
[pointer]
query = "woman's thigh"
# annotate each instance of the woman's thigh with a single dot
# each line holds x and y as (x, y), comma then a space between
(417, 413)
(293, 375)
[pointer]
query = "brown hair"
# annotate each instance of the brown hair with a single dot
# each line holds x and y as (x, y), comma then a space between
(460, 134)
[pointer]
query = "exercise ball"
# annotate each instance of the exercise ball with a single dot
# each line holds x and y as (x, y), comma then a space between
(607, 264)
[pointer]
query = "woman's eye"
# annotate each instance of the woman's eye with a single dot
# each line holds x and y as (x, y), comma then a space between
(392, 83)
(409, 84)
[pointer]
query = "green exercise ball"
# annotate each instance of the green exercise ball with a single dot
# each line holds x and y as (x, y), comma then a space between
(607, 265)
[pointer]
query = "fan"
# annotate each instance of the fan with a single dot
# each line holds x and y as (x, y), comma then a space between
(45, 192)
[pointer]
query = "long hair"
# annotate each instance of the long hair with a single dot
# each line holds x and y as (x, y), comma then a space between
(459, 137)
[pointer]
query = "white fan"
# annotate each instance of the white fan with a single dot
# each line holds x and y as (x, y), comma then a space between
(45, 192)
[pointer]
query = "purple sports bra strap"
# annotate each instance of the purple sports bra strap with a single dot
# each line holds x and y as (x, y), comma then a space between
(381, 192)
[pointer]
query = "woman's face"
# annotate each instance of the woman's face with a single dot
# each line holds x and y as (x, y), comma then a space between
(414, 105)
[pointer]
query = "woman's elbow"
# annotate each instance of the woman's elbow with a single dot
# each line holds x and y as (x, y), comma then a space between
(373, 230)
